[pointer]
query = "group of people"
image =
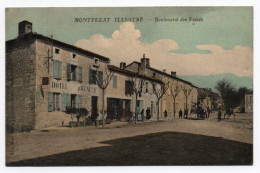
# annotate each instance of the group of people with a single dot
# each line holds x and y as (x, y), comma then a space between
(147, 116)
(228, 113)
(185, 114)
(203, 112)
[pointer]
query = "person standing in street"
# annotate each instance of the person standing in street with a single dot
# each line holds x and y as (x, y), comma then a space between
(219, 115)
(165, 113)
(142, 114)
(180, 114)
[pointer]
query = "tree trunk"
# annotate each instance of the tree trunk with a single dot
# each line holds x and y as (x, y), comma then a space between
(103, 107)
(174, 111)
(158, 110)
(136, 114)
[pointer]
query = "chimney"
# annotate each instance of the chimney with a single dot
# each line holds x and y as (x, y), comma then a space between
(173, 73)
(122, 65)
(164, 70)
(25, 27)
(143, 64)
(147, 60)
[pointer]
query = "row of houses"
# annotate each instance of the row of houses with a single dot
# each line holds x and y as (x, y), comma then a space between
(44, 76)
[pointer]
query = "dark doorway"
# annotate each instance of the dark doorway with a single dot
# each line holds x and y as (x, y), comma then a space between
(73, 100)
(94, 101)
(114, 108)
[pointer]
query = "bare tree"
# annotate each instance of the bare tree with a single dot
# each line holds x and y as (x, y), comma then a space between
(175, 89)
(137, 89)
(186, 90)
(103, 83)
(159, 92)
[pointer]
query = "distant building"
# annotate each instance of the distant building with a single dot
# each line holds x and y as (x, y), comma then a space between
(249, 102)
(208, 99)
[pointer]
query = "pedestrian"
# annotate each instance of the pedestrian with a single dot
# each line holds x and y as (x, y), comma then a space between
(180, 114)
(219, 115)
(165, 113)
(209, 111)
(142, 114)
(186, 113)
(148, 113)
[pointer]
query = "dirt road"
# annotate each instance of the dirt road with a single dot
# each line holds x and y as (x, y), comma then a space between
(168, 142)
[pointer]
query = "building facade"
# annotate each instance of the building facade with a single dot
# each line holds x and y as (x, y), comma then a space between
(186, 93)
(121, 99)
(249, 102)
(44, 76)
(208, 99)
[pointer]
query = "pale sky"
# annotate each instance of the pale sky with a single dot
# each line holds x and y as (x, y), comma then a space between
(221, 43)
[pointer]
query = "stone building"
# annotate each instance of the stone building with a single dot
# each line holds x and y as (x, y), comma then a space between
(177, 85)
(44, 76)
(208, 99)
(249, 102)
(121, 100)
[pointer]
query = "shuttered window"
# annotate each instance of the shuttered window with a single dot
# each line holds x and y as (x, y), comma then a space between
(37, 96)
(79, 101)
(80, 74)
(114, 81)
(100, 77)
(56, 67)
(92, 76)
(68, 72)
(50, 101)
(68, 100)
(63, 102)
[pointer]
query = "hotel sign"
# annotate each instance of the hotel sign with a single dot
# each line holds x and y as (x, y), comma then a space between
(73, 87)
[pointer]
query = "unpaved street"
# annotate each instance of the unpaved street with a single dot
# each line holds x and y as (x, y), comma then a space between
(168, 142)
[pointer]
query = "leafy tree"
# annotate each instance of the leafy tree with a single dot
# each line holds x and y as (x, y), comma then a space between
(72, 111)
(231, 97)
(82, 112)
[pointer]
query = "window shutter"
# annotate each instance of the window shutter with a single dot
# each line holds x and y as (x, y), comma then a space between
(90, 77)
(68, 72)
(80, 74)
(100, 77)
(55, 69)
(114, 81)
(37, 97)
(59, 70)
(50, 102)
(79, 101)
(63, 102)
(68, 100)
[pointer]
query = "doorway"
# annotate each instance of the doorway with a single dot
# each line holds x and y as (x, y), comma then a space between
(94, 110)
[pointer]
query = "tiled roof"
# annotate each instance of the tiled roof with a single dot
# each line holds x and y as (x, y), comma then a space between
(56, 42)
(161, 72)
(130, 73)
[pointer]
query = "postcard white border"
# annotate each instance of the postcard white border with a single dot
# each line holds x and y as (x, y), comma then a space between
(143, 3)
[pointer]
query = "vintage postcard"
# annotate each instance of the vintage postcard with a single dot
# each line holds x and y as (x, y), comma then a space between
(129, 86)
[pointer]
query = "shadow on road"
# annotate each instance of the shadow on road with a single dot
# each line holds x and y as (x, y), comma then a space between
(165, 148)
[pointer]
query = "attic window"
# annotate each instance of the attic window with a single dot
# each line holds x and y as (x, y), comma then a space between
(73, 55)
(57, 51)
(96, 62)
